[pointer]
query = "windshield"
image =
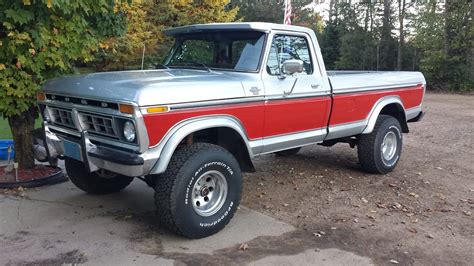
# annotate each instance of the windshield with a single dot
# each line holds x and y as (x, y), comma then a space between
(239, 51)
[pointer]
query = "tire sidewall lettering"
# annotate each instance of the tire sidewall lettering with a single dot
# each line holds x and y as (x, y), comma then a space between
(197, 173)
(228, 208)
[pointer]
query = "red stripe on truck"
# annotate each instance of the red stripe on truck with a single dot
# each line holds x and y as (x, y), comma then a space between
(284, 116)
(354, 107)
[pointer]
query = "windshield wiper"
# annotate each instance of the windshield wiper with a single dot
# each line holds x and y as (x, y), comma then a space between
(184, 64)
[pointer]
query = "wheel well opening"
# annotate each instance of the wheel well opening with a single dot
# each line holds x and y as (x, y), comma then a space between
(230, 140)
(396, 110)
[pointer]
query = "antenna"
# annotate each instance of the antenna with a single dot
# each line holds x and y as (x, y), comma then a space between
(143, 56)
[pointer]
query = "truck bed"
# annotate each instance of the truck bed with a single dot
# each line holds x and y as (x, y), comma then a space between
(355, 81)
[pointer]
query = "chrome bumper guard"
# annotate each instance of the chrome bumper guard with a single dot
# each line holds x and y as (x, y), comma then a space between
(93, 156)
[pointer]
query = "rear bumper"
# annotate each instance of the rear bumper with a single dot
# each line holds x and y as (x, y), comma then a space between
(418, 117)
(93, 156)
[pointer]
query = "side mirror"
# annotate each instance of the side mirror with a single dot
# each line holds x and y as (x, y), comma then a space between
(292, 66)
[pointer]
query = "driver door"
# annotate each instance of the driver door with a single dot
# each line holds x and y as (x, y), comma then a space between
(300, 117)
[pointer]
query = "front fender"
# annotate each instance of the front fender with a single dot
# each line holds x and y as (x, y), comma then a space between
(174, 137)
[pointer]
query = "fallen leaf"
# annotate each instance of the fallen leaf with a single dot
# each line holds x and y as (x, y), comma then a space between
(286, 204)
(397, 206)
(412, 230)
(244, 246)
(394, 262)
(364, 200)
(439, 168)
(333, 228)
(467, 213)
(317, 234)
(322, 232)
(392, 185)
(430, 236)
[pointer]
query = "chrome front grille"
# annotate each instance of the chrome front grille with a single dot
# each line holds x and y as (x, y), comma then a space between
(94, 123)
(103, 125)
(62, 117)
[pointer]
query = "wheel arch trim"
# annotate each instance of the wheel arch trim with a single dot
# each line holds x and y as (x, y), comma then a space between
(171, 141)
(377, 109)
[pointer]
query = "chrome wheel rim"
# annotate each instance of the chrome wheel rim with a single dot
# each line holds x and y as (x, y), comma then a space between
(389, 146)
(209, 193)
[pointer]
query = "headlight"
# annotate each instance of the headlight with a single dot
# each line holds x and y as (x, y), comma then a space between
(46, 115)
(129, 131)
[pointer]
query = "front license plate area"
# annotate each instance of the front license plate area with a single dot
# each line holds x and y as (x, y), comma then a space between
(72, 150)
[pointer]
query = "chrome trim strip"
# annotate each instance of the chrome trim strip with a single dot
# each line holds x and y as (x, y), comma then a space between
(216, 102)
(298, 96)
(346, 129)
(213, 103)
(287, 141)
(374, 88)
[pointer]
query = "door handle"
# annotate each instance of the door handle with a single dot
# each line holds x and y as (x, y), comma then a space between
(315, 86)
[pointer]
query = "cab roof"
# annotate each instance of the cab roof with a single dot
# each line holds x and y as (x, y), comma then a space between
(255, 26)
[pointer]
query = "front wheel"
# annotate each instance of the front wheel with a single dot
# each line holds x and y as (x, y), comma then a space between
(98, 183)
(199, 192)
(379, 151)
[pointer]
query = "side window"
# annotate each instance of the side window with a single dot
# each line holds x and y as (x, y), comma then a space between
(286, 47)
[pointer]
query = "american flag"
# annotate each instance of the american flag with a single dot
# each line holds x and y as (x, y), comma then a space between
(288, 11)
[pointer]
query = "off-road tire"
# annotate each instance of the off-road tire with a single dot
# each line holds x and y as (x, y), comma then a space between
(92, 183)
(369, 147)
(174, 187)
(289, 152)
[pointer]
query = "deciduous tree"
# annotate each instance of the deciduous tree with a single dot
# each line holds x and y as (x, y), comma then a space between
(39, 40)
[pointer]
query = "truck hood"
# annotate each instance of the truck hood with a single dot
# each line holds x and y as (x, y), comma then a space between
(149, 87)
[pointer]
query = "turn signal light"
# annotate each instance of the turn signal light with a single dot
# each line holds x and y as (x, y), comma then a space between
(40, 96)
(157, 109)
(126, 108)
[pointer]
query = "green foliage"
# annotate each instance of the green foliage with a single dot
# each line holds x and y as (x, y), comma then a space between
(146, 21)
(445, 40)
(42, 39)
(357, 51)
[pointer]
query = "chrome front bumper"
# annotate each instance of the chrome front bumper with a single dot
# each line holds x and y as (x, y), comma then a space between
(93, 156)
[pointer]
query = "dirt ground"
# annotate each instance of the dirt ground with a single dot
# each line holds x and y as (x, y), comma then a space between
(420, 214)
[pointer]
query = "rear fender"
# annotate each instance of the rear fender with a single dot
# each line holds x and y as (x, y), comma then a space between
(379, 105)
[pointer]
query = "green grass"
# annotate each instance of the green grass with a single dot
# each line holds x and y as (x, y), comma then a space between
(5, 132)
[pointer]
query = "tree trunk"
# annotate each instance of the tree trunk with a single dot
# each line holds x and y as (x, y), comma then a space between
(22, 125)
(401, 40)
(385, 38)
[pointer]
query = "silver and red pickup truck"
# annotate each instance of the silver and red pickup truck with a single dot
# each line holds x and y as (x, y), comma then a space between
(225, 93)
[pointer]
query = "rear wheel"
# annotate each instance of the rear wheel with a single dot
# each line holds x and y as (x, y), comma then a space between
(199, 192)
(99, 182)
(288, 152)
(379, 151)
